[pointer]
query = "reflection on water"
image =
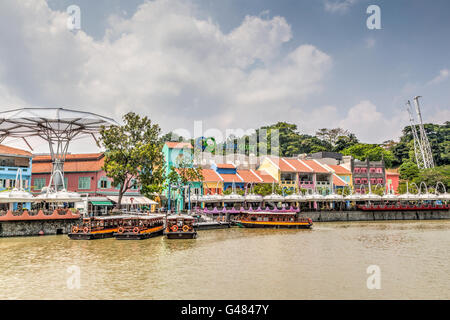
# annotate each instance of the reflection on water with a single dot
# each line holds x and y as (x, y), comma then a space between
(328, 262)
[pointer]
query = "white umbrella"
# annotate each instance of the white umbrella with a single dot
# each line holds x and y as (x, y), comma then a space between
(444, 196)
(314, 197)
(233, 197)
(408, 197)
(333, 197)
(274, 197)
(16, 195)
(296, 197)
(60, 196)
(253, 197)
(354, 197)
(371, 197)
(390, 197)
(211, 198)
(428, 196)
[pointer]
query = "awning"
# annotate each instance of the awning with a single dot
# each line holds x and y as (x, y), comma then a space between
(132, 200)
(102, 203)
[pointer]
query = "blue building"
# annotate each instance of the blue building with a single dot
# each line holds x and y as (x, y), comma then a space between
(229, 174)
(11, 160)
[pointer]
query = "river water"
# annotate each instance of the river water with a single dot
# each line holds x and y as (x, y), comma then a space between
(328, 262)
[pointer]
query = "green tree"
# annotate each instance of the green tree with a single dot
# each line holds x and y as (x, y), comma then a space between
(134, 155)
(408, 170)
(373, 152)
(265, 189)
(433, 175)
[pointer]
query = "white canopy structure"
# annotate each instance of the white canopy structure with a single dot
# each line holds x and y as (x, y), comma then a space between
(129, 200)
(333, 197)
(233, 197)
(209, 198)
(253, 198)
(295, 197)
(57, 126)
(274, 197)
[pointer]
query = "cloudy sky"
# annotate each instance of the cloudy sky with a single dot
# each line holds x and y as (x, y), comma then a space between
(231, 64)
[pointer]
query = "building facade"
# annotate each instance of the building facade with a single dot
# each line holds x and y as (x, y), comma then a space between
(295, 174)
(83, 173)
(367, 173)
(392, 180)
(15, 163)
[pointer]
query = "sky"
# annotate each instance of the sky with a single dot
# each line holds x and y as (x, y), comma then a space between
(235, 64)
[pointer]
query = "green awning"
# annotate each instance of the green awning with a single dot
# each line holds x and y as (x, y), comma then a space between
(102, 203)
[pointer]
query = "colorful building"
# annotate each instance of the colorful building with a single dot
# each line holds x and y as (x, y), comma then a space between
(83, 173)
(293, 173)
(341, 172)
(229, 175)
(174, 151)
(365, 173)
(392, 180)
(13, 160)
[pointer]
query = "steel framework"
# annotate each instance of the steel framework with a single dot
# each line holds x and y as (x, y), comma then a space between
(57, 126)
(422, 148)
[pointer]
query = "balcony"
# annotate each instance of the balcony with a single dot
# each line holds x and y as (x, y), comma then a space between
(13, 170)
(288, 183)
(323, 184)
(306, 184)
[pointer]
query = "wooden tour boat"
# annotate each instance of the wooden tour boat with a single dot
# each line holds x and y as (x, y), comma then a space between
(140, 227)
(95, 228)
(180, 227)
(276, 220)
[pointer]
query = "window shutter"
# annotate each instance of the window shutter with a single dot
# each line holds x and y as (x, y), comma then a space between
(109, 184)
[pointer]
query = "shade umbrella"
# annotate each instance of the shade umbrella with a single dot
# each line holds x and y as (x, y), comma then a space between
(333, 197)
(233, 197)
(408, 197)
(296, 197)
(253, 197)
(390, 197)
(59, 196)
(274, 197)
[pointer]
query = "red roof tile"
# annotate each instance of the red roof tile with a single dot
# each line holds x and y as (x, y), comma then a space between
(210, 175)
(230, 177)
(13, 151)
(249, 176)
(338, 181)
(178, 145)
(339, 169)
(298, 165)
(91, 162)
(283, 165)
(267, 178)
(318, 168)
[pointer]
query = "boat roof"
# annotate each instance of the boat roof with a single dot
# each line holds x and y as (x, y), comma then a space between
(268, 212)
(180, 216)
(129, 216)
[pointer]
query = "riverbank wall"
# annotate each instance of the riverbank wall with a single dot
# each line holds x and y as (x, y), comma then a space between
(35, 227)
(334, 216)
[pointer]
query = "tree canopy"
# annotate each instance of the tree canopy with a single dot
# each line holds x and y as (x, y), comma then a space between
(133, 155)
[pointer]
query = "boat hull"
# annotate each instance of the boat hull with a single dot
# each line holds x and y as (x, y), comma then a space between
(90, 236)
(274, 225)
(145, 234)
(181, 235)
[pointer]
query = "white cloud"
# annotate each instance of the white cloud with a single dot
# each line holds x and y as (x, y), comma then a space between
(371, 126)
(442, 76)
(164, 62)
(338, 6)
